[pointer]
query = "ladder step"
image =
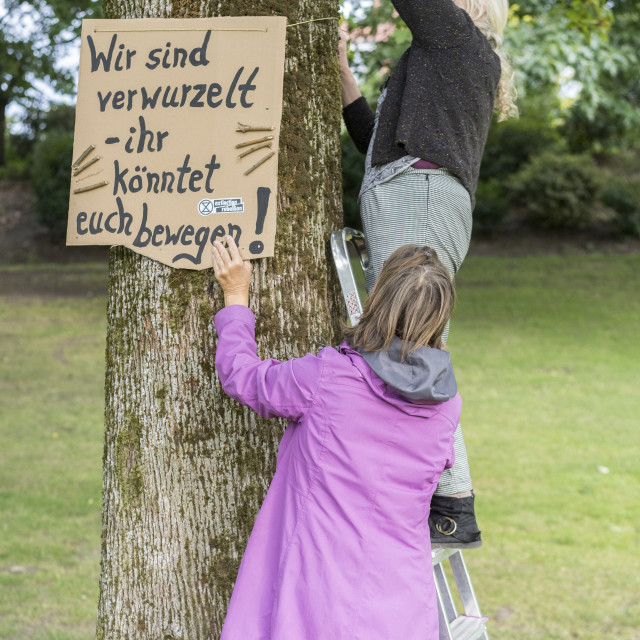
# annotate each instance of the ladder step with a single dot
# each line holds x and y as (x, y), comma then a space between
(468, 628)
(440, 555)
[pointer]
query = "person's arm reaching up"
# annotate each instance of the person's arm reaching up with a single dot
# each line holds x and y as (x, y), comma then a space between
(270, 387)
(358, 116)
(350, 91)
(435, 23)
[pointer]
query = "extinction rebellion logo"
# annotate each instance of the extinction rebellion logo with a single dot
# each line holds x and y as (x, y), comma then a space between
(221, 205)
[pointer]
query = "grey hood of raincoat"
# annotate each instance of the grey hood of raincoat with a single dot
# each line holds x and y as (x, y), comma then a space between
(425, 376)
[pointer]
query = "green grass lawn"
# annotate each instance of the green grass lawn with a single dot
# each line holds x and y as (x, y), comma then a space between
(547, 357)
(51, 405)
(547, 354)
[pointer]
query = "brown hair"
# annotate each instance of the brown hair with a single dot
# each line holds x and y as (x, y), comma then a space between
(413, 299)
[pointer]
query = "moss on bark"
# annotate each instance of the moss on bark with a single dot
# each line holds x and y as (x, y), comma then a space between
(127, 468)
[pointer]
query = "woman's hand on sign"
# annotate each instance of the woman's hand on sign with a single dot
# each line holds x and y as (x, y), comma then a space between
(232, 272)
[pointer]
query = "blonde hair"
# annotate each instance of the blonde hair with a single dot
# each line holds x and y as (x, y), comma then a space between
(491, 18)
(412, 299)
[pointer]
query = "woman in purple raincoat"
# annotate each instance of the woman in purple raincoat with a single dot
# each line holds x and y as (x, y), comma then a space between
(340, 549)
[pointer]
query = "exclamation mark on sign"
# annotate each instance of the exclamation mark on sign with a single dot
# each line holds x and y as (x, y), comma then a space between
(257, 246)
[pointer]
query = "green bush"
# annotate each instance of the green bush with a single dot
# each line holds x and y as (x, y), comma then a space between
(556, 190)
(512, 143)
(623, 196)
(51, 178)
(492, 205)
(16, 164)
(592, 134)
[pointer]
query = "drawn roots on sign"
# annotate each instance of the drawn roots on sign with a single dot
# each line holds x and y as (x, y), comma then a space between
(77, 169)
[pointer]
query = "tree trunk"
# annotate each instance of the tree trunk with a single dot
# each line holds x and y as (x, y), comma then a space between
(3, 133)
(185, 467)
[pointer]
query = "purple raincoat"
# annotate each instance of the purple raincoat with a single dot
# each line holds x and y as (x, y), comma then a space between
(340, 549)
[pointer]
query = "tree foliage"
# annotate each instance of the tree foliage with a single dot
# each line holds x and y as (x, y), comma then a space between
(34, 35)
(576, 64)
(590, 44)
(588, 50)
(612, 119)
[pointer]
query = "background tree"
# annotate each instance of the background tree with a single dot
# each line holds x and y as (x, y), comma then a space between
(52, 135)
(185, 467)
(576, 69)
(33, 37)
(550, 41)
(612, 121)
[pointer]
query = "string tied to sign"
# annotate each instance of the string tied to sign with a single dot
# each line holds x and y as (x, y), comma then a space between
(295, 24)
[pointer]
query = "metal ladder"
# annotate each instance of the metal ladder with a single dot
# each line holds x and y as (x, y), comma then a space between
(470, 625)
(351, 260)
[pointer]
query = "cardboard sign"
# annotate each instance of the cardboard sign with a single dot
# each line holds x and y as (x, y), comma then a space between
(176, 138)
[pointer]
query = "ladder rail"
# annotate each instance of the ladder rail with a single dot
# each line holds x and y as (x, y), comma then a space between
(465, 588)
(470, 625)
(444, 594)
(351, 259)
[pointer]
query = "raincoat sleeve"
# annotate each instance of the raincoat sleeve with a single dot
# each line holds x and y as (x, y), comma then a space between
(270, 387)
(434, 23)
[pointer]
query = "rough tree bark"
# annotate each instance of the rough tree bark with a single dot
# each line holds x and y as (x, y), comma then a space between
(186, 468)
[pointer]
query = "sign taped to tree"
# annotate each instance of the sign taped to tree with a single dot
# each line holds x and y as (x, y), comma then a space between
(176, 136)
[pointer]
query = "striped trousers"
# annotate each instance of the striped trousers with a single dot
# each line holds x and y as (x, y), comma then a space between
(424, 207)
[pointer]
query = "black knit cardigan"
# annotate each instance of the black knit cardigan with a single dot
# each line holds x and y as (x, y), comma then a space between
(440, 97)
